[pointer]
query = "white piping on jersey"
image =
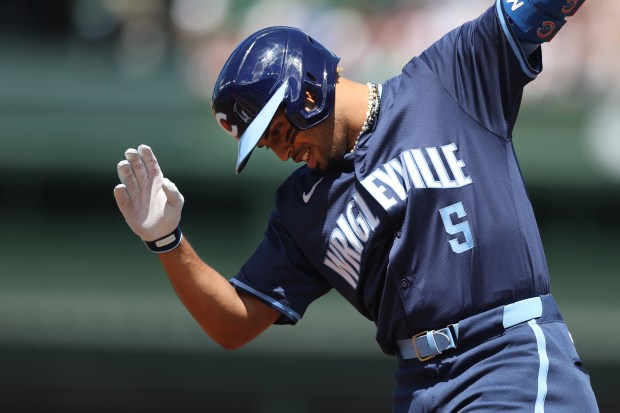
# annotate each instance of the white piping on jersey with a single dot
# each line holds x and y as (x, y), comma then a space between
(413, 169)
(514, 43)
(289, 312)
(543, 367)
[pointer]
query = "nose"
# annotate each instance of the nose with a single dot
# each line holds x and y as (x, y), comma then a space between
(283, 151)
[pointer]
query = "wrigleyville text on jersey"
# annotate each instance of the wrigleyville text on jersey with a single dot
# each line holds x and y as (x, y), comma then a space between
(389, 185)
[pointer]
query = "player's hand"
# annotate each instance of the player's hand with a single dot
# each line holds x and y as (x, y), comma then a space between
(150, 203)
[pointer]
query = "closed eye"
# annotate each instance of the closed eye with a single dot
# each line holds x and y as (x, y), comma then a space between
(270, 131)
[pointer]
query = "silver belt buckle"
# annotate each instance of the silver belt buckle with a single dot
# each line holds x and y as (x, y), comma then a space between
(415, 347)
(450, 338)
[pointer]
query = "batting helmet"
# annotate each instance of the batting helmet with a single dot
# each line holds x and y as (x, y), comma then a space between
(273, 66)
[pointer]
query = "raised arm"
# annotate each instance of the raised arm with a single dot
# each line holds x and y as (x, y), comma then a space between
(534, 22)
(151, 205)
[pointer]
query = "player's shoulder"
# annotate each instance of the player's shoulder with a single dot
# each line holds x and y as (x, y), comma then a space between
(463, 36)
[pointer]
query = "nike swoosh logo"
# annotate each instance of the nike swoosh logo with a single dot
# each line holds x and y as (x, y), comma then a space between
(308, 195)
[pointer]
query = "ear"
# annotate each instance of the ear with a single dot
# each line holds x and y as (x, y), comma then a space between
(310, 97)
(310, 103)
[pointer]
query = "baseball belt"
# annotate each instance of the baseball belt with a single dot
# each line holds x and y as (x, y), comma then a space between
(428, 344)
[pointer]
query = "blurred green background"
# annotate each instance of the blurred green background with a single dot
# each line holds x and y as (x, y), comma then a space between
(88, 319)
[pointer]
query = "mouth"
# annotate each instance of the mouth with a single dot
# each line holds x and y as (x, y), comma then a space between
(302, 156)
(307, 156)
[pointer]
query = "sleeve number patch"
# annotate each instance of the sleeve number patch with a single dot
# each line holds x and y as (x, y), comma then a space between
(455, 228)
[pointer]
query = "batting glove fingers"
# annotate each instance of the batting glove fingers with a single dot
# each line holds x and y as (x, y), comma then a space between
(150, 203)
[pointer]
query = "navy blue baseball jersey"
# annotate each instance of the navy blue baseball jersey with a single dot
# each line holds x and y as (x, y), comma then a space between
(428, 222)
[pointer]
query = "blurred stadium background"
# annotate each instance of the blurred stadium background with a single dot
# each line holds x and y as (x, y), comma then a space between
(88, 320)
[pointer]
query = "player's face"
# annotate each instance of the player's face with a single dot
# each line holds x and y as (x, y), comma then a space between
(317, 146)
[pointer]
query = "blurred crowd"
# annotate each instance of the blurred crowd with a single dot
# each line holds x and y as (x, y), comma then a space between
(374, 38)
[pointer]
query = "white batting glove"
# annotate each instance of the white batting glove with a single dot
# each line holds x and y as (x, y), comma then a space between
(150, 203)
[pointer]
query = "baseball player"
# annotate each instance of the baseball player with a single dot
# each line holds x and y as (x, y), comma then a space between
(409, 202)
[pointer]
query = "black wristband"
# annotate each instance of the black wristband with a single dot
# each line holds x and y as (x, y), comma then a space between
(166, 243)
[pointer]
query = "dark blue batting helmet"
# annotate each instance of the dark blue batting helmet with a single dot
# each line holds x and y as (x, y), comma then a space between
(273, 66)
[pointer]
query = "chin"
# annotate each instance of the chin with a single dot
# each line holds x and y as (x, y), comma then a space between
(317, 167)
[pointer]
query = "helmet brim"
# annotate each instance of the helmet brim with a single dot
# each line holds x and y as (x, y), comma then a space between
(257, 127)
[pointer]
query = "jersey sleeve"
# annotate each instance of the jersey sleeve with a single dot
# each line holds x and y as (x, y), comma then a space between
(482, 65)
(280, 275)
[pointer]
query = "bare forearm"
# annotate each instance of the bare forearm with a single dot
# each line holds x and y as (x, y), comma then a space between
(226, 316)
(151, 206)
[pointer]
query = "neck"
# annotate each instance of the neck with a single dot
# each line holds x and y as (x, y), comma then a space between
(351, 107)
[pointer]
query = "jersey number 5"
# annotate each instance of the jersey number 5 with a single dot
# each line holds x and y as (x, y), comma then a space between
(456, 228)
